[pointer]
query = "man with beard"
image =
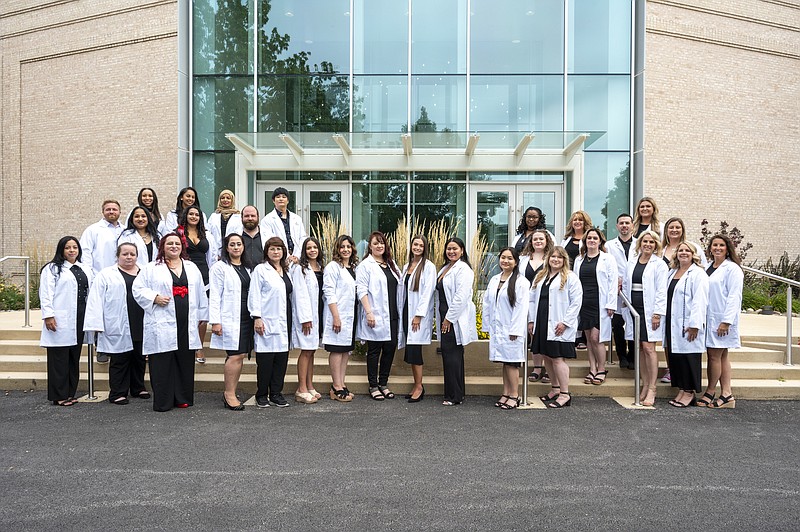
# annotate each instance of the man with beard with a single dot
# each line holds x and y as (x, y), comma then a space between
(253, 246)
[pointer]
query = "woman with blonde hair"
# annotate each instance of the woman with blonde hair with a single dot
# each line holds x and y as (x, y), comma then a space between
(645, 286)
(555, 303)
(531, 262)
(675, 234)
(578, 224)
(646, 217)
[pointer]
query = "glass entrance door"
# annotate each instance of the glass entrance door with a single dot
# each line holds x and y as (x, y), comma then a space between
(497, 210)
(308, 200)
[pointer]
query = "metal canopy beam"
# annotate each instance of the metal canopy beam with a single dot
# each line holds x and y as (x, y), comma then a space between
(472, 143)
(522, 145)
(573, 147)
(296, 149)
(343, 145)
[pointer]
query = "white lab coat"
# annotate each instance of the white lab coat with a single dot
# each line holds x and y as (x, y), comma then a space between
(58, 299)
(215, 226)
(271, 225)
(608, 288)
(457, 283)
(689, 306)
(615, 249)
(225, 305)
(654, 282)
(133, 236)
(420, 303)
(170, 222)
(371, 282)
(307, 281)
(700, 251)
(339, 287)
(267, 299)
(520, 236)
(564, 307)
(99, 245)
(724, 305)
(523, 265)
(107, 312)
(160, 324)
(502, 321)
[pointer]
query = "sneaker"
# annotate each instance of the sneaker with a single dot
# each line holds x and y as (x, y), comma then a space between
(667, 378)
(278, 400)
(262, 402)
(102, 358)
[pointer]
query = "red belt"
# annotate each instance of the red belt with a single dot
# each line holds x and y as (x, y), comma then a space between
(180, 291)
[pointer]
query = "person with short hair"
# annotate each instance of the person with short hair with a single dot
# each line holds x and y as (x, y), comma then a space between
(284, 224)
(622, 249)
(112, 312)
(63, 290)
(251, 235)
(173, 295)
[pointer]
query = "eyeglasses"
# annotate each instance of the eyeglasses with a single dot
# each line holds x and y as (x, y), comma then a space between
(532, 217)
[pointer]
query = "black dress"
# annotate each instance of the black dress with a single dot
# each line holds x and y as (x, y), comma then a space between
(637, 299)
(573, 248)
(197, 254)
(413, 354)
(541, 345)
(320, 302)
(590, 308)
(246, 333)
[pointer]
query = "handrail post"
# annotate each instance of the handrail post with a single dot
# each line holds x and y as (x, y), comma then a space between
(27, 292)
(525, 378)
(788, 359)
(90, 350)
(637, 382)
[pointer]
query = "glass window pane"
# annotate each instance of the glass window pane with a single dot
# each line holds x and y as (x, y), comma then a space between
(516, 103)
(601, 103)
(516, 176)
(439, 176)
(599, 37)
(221, 105)
(300, 36)
(439, 37)
(303, 103)
(379, 176)
(212, 172)
(326, 203)
(517, 36)
(606, 188)
(546, 201)
(222, 37)
(492, 220)
(380, 37)
(381, 103)
(376, 207)
(263, 175)
(431, 202)
(438, 103)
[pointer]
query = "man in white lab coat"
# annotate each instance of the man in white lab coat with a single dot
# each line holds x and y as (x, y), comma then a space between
(622, 249)
(284, 224)
(99, 244)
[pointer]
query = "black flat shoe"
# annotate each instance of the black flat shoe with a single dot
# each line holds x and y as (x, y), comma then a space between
(417, 399)
(120, 401)
(237, 408)
(143, 395)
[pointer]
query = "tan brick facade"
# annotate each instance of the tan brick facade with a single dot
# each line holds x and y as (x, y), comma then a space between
(722, 116)
(89, 111)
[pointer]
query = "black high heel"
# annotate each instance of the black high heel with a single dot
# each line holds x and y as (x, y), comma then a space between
(555, 404)
(418, 399)
(546, 398)
(237, 408)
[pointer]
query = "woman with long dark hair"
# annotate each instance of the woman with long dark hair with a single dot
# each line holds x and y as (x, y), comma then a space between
(118, 320)
(231, 324)
(505, 318)
(455, 316)
(172, 293)
(311, 264)
(64, 285)
(143, 234)
(148, 200)
(419, 284)
(186, 198)
(377, 281)
(201, 248)
(555, 304)
(275, 306)
(338, 336)
(533, 219)
(725, 282)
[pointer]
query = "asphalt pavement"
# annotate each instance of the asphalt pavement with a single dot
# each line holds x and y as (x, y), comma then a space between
(397, 466)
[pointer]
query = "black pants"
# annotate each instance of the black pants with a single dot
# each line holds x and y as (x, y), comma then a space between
(271, 373)
(381, 354)
(63, 370)
(172, 379)
(453, 366)
(624, 347)
(126, 373)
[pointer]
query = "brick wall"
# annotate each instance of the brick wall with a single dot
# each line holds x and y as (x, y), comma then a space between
(722, 117)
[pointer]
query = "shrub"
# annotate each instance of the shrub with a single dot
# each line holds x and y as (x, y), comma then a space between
(778, 302)
(755, 297)
(736, 236)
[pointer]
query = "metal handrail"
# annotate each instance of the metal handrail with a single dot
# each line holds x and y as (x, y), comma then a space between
(789, 284)
(637, 384)
(27, 284)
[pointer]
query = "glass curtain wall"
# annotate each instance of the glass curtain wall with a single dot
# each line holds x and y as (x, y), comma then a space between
(414, 65)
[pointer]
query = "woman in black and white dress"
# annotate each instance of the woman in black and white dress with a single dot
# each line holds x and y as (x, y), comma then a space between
(531, 262)
(63, 290)
(419, 284)
(231, 324)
